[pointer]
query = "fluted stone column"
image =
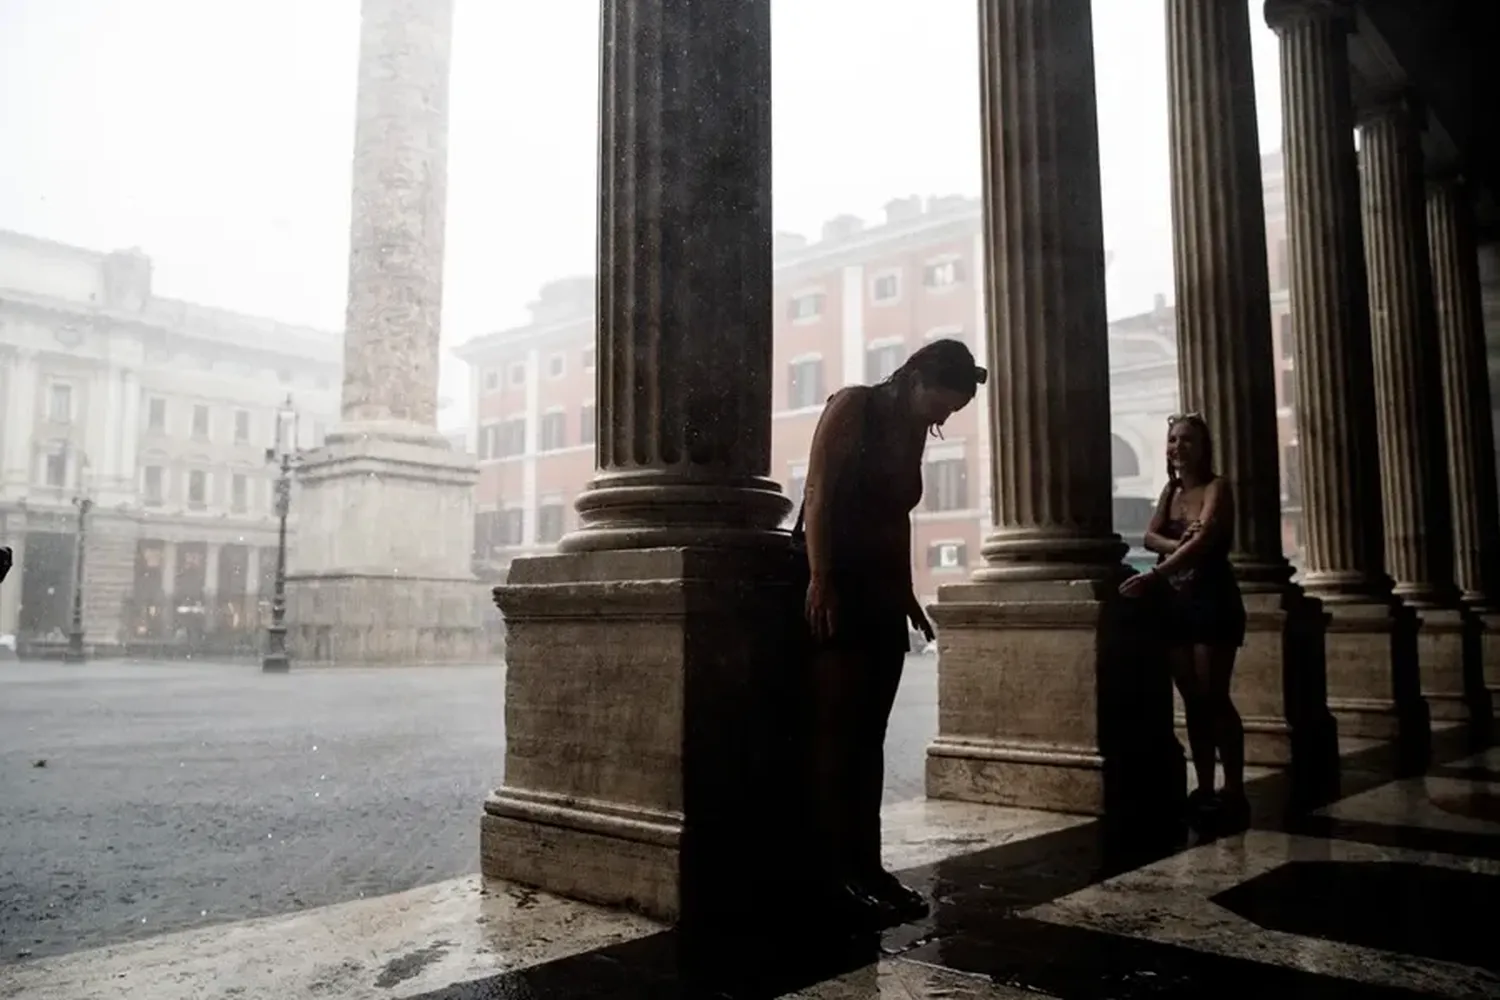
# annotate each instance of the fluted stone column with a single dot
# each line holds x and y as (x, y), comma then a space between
(382, 568)
(1343, 561)
(1224, 357)
(1039, 627)
(1413, 459)
(1413, 474)
(642, 661)
(1466, 411)
(684, 323)
(400, 195)
(1044, 276)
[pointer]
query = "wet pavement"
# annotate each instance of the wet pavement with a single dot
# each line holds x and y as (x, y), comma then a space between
(140, 798)
(1379, 881)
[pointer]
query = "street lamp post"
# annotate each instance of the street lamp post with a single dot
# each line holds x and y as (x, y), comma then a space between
(276, 659)
(75, 652)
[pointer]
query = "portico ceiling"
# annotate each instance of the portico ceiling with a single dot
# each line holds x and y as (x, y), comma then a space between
(1446, 52)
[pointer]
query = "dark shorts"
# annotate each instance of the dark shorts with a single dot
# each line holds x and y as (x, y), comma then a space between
(1212, 619)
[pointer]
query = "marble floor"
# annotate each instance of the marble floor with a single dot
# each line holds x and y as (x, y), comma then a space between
(1381, 881)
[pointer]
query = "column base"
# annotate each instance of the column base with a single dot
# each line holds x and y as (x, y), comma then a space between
(652, 721)
(1052, 696)
(1373, 687)
(1441, 649)
(591, 851)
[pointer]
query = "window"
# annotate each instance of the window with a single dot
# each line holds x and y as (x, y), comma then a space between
(588, 359)
(1283, 266)
(239, 493)
(152, 485)
(1288, 340)
(587, 424)
(946, 484)
(491, 380)
(947, 555)
(943, 273)
(549, 522)
(241, 426)
(156, 415)
(200, 420)
(1291, 474)
(807, 306)
(886, 287)
(320, 433)
(554, 431)
(512, 526)
(510, 438)
(60, 403)
(881, 361)
(557, 366)
(804, 383)
(56, 469)
(1288, 387)
(197, 491)
(517, 373)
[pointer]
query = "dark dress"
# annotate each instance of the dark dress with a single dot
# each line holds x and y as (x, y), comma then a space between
(870, 581)
(1203, 603)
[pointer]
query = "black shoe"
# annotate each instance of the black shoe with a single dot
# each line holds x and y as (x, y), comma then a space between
(907, 903)
(1233, 814)
(852, 907)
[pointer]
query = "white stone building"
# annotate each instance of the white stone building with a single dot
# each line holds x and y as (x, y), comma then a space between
(160, 412)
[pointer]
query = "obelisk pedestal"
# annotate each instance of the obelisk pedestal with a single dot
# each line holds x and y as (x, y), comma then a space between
(1049, 695)
(1226, 368)
(382, 568)
(1372, 685)
(1470, 431)
(649, 728)
(1413, 458)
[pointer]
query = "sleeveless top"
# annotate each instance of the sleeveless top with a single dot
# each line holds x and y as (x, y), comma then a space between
(1212, 574)
(872, 505)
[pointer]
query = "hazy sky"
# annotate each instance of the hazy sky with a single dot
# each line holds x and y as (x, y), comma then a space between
(216, 136)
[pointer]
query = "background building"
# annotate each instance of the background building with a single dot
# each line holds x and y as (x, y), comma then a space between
(849, 308)
(160, 411)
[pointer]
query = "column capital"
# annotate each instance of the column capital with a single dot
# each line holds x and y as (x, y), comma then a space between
(1401, 105)
(1282, 15)
(1449, 178)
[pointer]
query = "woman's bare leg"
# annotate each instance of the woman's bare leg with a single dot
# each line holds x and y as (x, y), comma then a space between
(1194, 690)
(1217, 664)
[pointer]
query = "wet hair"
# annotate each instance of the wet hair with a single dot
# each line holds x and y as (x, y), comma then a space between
(1193, 419)
(944, 363)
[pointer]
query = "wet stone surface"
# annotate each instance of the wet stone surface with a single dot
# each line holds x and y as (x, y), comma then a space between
(186, 794)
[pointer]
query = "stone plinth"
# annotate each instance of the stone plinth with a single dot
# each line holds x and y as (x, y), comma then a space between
(1441, 646)
(1051, 696)
(649, 720)
(1373, 686)
(381, 526)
